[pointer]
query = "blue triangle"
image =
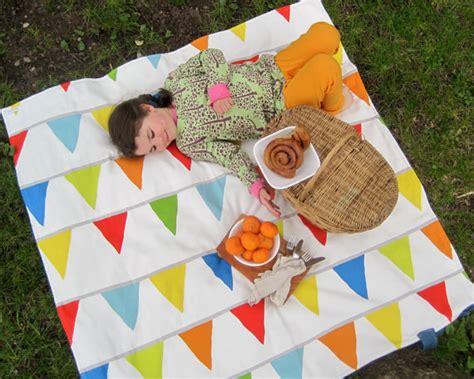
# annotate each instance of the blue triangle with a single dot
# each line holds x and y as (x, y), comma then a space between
(353, 273)
(290, 365)
(67, 130)
(96, 373)
(35, 198)
(213, 195)
(124, 301)
(154, 59)
(220, 268)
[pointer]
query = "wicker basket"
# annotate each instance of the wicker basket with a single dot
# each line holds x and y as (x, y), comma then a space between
(354, 190)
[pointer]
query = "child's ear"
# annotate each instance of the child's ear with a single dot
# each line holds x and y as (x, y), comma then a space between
(147, 107)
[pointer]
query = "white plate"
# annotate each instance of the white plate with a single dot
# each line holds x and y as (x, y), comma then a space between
(308, 168)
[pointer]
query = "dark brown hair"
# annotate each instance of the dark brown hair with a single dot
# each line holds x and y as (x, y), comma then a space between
(126, 119)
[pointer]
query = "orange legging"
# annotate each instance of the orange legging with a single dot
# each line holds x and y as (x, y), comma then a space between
(313, 76)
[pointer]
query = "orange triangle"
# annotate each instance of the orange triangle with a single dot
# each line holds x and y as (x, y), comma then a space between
(202, 43)
(437, 235)
(354, 82)
(133, 168)
(342, 342)
(199, 340)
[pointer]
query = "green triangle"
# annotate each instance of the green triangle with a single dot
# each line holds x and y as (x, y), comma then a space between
(148, 361)
(279, 225)
(86, 182)
(246, 376)
(400, 254)
(113, 74)
(167, 210)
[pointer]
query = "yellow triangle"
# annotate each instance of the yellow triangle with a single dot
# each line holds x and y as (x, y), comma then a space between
(338, 55)
(279, 225)
(239, 31)
(307, 293)
(149, 361)
(171, 285)
(399, 253)
(388, 322)
(56, 249)
(102, 116)
(409, 186)
(15, 107)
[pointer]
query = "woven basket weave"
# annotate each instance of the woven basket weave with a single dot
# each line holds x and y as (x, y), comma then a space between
(354, 190)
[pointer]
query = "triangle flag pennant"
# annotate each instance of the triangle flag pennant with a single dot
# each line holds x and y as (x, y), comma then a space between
(358, 128)
(171, 284)
(437, 297)
(320, 234)
(154, 59)
(133, 168)
(65, 86)
(113, 74)
(410, 186)
(355, 84)
(185, 161)
(35, 200)
(353, 273)
(17, 142)
(253, 318)
(67, 314)
(213, 195)
(56, 249)
(96, 373)
(199, 340)
(124, 301)
(102, 116)
(399, 253)
(15, 107)
(343, 343)
(239, 31)
(338, 55)
(438, 237)
(202, 43)
(388, 321)
(221, 268)
(279, 224)
(253, 59)
(167, 211)
(149, 361)
(307, 293)
(113, 228)
(67, 130)
(246, 376)
(86, 182)
(290, 365)
(285, 12)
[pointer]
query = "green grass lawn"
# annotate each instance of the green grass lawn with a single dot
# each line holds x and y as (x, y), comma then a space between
(415, 58)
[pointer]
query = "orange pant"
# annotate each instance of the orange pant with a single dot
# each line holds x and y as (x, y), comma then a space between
(313, 76)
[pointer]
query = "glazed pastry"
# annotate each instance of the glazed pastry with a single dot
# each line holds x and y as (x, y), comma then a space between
(301, 136)
(284, 156)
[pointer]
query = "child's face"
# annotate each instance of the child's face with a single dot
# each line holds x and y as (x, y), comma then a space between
(158, 130)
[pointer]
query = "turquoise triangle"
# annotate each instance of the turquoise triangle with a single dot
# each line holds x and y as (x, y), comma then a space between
(96, 373)
(220, 268)
(213, 195)
(35, 198)
(124, 301)
(353, 273)
(67, 130)
(154, 59)
(290, 365)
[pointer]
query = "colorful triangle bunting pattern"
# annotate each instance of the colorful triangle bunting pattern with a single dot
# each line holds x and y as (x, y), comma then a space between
(35, 200)
(358, 128)
(113, 229)
(100, 372)
(67, 314)
(171, 284)
(65, 86)
(388, 321)
(56, 249)
(213, 195)
(67, 130)
(320, 234)
(221, 268)
(17, 142)
(133, 168)
(246, 376)
(167, 211)
(410, 186)
(240, 30)
(149, 361)
(438, 237)
(202, 43)
(355, 84)
(15, 107)
(307, 293)
(102, 116)
(86, 182)
(290, 365)
(437, 297)
(343, 343)
(253, 318)
(285, 12)
(353, 273)
(154, 60)
(124, 301)
(399, 253)
(199, 340)
(113, 74)
(185, 161)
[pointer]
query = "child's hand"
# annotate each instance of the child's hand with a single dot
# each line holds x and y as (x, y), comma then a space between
(222, 105)
(266, 200)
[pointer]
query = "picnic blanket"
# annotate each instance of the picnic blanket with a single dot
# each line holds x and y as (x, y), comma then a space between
(129, 245)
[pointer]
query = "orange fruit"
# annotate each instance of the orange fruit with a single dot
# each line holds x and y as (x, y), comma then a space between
(249, 241)
(247, 255)
(251, 224)
(260, 255)
(233, 246)
(239, 234)
(265, 242)
(268, 229)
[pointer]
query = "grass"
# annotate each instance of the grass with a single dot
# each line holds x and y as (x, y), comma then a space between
(415, 59)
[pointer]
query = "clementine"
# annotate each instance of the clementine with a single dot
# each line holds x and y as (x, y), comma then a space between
(265, 242)
(268, 229)
(251, 224)
(260, 255)
(247, 255)
(249, 241)
(233, 246)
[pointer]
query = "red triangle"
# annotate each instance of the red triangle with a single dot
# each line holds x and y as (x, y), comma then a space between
(186, 161)
(438, 299)
(17, 142)
(67, 314)
(113, 228)
(320, 234)
(285, 12)
(358, 128)
(253, 318)
(253, 59)
(65, 86)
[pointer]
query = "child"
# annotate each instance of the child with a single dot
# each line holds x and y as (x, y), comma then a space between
(208, 106)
